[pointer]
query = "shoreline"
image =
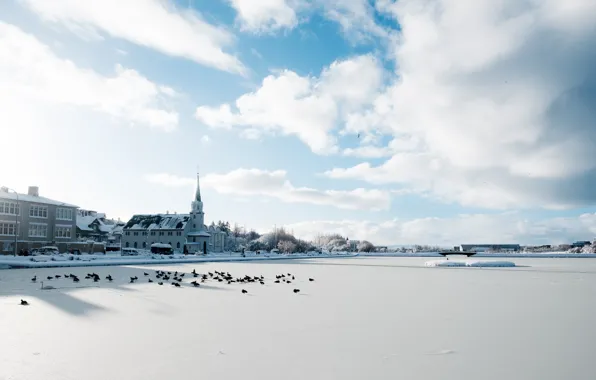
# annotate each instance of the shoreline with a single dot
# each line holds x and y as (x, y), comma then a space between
(92, 261)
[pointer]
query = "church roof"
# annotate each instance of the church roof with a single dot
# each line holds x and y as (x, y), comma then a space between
(157, 222)
(198, 191)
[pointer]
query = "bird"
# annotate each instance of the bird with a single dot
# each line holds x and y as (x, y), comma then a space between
(145, 274)
(277, 281)
(296, 290)
(311, 279)
(160, 283)
(244, 291)
(34, 279)
(150, 280)
(57, 276)
(50, 277)
(24, 303)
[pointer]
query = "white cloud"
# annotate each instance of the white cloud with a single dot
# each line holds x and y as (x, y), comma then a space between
(205, 139)
(356, 18)
(460, 229)
(255, 182)
(496, 97)
(259, 16)
(306, 107)
(155, 24)
(31, 72)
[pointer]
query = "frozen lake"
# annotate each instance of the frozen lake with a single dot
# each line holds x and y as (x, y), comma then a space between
(362, 318)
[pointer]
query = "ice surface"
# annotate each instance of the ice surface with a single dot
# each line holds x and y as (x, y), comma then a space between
(469, 263)
(361, 318)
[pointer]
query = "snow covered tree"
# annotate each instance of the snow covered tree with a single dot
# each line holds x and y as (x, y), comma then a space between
(286, 246)
(365, 246)
(256, 245)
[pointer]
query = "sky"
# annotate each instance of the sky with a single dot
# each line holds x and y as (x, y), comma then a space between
(400, 122)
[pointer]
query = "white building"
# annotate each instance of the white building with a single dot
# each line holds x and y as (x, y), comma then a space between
(184, 232)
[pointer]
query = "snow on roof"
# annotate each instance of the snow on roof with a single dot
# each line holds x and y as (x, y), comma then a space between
(34, 199)
(160, 245)
(104, 225)
(83, 222)
(157, 222)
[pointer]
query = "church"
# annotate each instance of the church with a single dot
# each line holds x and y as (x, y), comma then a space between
(183, 232)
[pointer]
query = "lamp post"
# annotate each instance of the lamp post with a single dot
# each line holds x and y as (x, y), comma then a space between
(16, 220)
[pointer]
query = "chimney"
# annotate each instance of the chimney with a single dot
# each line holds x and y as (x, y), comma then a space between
(33, 191)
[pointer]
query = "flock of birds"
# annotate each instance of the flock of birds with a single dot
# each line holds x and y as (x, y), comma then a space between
(177, 278)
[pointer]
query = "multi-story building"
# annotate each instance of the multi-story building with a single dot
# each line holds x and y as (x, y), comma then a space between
(32, 221)
(183, 232)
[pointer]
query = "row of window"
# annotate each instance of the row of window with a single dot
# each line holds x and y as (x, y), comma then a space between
(7, 229)
(9, 208)
(161, 233)
(35, 211)
(37, 230)
(135, 245)
(64, 213)
(63, 232)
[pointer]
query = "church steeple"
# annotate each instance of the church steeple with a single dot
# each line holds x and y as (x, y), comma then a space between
(198, 192)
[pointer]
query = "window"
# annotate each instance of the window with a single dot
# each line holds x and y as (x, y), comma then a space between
(135, 244)
(178, 245)
(144, 233)
(38, 230)
(152, 233)
(169, 233)
(135, 234)
(127, 244)
(194, 226)
(179, 233)
(160, 233)
(63, 232)
(37, 211)
(63, 213)
(7, 229)
(127, 233)
(144, 245)
(9, 208)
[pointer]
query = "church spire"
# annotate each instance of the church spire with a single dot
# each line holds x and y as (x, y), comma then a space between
(198, 193)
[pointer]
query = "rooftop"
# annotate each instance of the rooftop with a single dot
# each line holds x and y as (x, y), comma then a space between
(33, 199)
(157, 222)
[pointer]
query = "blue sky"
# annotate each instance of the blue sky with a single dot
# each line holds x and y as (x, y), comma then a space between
(379, 120)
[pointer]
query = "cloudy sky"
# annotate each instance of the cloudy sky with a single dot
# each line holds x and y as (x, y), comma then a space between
(435, 121)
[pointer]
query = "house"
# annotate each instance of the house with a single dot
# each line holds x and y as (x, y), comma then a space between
(95, 226)
(183, 232)
(33, 221)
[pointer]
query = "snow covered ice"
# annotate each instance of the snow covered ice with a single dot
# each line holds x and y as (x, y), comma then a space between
(361, 318)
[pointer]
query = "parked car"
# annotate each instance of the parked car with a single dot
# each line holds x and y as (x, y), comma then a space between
(129, 252)
(48, 250)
